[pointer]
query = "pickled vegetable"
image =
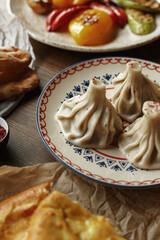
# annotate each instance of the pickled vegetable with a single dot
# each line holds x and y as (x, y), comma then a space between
(92, 27)
(140, 23)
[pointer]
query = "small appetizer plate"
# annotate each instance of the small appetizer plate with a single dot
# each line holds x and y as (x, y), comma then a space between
(107, 166)
(4, 133)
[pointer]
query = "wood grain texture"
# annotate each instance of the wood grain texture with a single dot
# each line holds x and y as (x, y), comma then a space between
(25, 147)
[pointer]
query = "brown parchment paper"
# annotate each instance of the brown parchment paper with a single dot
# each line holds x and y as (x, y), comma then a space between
(135, 212)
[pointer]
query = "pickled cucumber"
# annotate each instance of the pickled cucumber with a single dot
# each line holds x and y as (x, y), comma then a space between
(147, 6)
(140, 23)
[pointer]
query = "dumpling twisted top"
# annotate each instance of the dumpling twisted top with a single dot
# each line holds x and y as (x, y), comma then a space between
(131, 89)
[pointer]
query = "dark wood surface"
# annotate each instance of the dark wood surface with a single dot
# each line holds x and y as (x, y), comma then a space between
(25, 147)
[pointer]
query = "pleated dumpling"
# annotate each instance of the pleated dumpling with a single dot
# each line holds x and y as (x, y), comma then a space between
(89, 120)
(141, 143)
(131, 89)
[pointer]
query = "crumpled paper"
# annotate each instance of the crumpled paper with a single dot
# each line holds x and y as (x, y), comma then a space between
(12, 33)
(135, 212)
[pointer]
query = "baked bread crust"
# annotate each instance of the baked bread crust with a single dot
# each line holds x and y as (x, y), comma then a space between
(9, 76)
(16, 78)
(15, 212)
(26, 83)
(63, 219)
(12, 58)
(39, 214)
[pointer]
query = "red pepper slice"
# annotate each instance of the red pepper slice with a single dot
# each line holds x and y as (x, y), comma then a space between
(122, 17)
(106, 9)
(51, 17)
(59, 17)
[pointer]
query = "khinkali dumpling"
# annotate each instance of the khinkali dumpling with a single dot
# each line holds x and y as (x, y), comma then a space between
(89, 120)
(131, 89)
(141, 143)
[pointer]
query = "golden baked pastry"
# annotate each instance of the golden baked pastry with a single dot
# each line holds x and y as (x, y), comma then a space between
(12, 58)
(39, 214)
(13, 75)
(15, 212)
(16, 77)
(59, 218)
(26, 83)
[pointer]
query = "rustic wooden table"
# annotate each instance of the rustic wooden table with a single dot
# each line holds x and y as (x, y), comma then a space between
(25, 147)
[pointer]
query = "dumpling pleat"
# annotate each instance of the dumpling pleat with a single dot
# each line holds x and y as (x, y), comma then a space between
(89, 120)
(141, 143)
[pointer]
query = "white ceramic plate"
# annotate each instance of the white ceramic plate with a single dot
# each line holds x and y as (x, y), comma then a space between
(35, 24)
(104, 166)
